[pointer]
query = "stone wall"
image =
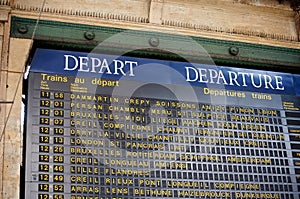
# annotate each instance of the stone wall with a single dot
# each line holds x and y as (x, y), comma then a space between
(255, 21)
(4, 37)
(14, 54)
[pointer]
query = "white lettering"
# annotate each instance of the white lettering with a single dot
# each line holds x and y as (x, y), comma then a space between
(131, 66)
(105, 66)
(202, 75)
(221, 77)
(233, 77)
(268, 81)
(253, 81)
(187, 69)
(96, 65)
(212, 74)
(119, 65)
(83, 62)
(279, 84)
(67, 67)
(244, 77)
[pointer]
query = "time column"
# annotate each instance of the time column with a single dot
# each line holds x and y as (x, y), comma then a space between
(51, 145)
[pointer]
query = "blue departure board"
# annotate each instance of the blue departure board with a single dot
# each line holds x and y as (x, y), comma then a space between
(116, 127)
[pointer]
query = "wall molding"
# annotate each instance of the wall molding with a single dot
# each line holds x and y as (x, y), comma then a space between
(236, 31)
(145, 20)
(80, 13)
(4, 2)
(71, 36)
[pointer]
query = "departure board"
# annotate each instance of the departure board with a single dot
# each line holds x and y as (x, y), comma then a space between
(116, 127)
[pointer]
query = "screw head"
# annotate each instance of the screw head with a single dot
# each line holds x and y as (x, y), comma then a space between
(89, 35)
(22, 29)
(154, 42)
(234, 51)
